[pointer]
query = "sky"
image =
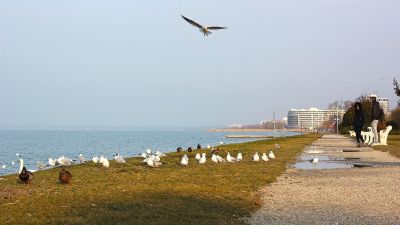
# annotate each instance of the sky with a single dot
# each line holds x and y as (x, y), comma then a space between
(138, 63)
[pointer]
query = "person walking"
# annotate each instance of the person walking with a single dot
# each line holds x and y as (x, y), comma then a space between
(358, 123)
(377, 116)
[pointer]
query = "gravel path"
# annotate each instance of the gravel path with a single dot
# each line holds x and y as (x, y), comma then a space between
(335, 196)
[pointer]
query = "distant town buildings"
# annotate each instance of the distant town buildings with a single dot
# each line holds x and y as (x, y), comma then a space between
(235, 126)
(271, 124)
(312, 118)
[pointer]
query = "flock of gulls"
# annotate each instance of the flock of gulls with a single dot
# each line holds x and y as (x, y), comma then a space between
(150, 158)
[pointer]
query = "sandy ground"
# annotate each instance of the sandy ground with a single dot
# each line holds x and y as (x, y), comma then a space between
(335, 196)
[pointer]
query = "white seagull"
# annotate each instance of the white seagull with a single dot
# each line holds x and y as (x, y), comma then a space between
(148, 151)
(160, 154)
(105, 162)
(81, 159)
(264, 157)
(52, 162)
(119, 159)
(152, 163)
(184, 160)
(197, 157)
(95, 159)
(271, 155)
(41, 165)
(203, 29)
(314, 161)
(220, 159)
(203, 158)
(156, 158)
(256, 157)
(64, 161)
(143, 155)
(214, 158)
(229, 158)
(239, 156)
(101, 159)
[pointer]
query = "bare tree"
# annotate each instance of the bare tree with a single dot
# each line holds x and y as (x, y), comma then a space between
(396, 90)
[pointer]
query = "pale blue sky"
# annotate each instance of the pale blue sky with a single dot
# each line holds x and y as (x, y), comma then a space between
(138, 63)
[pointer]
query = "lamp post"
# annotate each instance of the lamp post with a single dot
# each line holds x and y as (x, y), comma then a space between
(273, 122)
(337, 121)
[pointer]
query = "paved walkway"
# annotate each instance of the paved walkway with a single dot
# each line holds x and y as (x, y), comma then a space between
(369, 195)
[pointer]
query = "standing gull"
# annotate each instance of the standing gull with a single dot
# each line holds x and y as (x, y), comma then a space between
(264, 157)
(52, 162)
(214, 158)
(41, 165)
(185, 160)
(119, 159)
(203, 29)
(81, 158)
(271, 155)
(229, 158)
(197, 157)
(314, 161)
(95, 159)
(202, 159)
(239, 157)
(256, 157)
(105, 163)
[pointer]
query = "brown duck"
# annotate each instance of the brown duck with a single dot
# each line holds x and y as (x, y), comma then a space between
(25, 176)
(65, 176)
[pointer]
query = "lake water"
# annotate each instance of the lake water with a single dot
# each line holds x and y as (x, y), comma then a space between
(38, 145)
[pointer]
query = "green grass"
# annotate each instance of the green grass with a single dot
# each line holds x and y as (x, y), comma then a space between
(135, 194)
(393, 146)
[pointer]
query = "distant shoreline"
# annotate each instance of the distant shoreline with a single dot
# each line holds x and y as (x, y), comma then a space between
(253, 130)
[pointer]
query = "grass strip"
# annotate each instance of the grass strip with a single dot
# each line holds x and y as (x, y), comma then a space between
(132, 193)
(393, 146)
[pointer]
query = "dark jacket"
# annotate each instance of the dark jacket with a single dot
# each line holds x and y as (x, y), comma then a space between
(377, 113)
(358, 118)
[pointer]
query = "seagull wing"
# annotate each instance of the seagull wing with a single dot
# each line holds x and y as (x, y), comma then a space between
(192, 22)
(216, 28)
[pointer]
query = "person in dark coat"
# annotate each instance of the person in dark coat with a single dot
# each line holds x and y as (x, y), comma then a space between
(358, 122)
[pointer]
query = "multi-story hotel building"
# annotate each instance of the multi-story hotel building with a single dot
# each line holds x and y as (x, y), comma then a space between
(311, 118)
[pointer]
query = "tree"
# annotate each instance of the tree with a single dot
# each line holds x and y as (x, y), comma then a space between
(340, 105)
(348, 117)
(396, 90)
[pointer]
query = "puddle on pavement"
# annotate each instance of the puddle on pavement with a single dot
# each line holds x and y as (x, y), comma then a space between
(327, 159)
(306, 165)
(325, 162)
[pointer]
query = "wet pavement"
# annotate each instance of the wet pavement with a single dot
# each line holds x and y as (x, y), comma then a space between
(348, 185)
(335, 152)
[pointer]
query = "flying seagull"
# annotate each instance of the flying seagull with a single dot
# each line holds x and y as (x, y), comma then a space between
(203, 29)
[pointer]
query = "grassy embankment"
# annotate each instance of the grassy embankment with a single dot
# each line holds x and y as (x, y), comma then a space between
(393, 146)
(135, 194)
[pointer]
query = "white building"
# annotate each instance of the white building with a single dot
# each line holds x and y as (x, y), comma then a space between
(311, 118)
